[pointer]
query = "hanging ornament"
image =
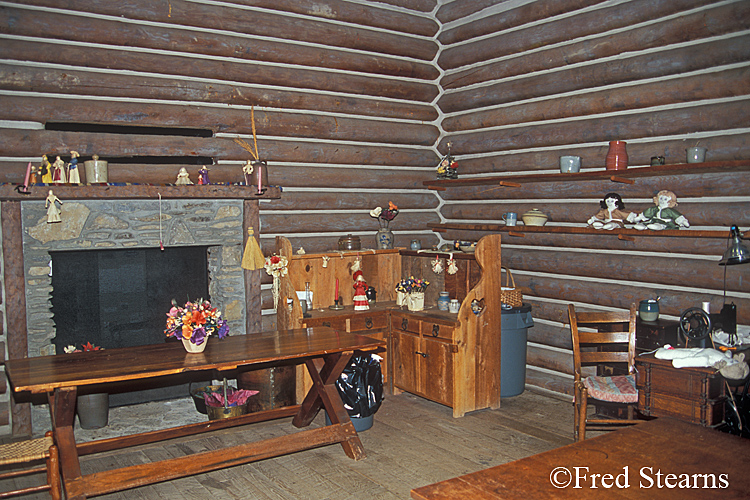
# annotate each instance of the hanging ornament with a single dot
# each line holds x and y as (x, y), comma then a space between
(452, 266)
(325, 260)
(252, 258)
(356, 265)
(437, 265)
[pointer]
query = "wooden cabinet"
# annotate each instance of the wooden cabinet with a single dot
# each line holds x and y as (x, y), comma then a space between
(453, 359)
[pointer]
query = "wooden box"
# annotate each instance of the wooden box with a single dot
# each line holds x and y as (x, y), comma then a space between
(692, 394)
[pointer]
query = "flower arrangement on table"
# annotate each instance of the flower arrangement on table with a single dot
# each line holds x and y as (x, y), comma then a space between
(412, 284)
(195, 322)
(385, 215)
(88, 346)
(276, 266)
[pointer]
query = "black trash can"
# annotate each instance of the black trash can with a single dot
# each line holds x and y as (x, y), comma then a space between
(514, 326)
(361, 389)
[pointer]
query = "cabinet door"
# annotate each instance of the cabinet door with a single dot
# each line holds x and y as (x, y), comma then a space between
(436, 373)
(405, 361)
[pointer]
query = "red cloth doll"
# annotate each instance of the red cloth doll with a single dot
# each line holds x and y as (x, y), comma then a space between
(360, 290)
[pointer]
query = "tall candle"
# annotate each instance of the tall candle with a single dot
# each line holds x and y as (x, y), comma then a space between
(259, 173)
(336, 298)
(28, 175)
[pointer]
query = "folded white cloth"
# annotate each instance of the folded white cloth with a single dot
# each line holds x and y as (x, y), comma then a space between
(692, 356)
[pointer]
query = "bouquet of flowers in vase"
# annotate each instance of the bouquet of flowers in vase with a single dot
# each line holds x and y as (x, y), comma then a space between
(276, 266)
(412, 284)
(195, 321)
(385, 215)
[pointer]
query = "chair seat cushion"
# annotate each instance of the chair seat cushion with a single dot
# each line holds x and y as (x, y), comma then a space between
(619, 389)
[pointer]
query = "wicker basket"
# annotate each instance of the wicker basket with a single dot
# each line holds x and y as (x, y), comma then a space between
(509, 294)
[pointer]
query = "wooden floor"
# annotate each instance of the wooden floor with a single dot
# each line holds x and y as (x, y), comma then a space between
(413, 442)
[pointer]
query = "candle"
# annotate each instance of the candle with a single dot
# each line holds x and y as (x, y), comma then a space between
(28, 175)
(259, 172)
(336, 298)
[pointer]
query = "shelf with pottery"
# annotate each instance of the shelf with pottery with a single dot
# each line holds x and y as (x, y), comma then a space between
(621, 233)
(450, 358)
(622, 176)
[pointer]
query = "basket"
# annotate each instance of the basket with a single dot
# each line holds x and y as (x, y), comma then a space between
(509, 294)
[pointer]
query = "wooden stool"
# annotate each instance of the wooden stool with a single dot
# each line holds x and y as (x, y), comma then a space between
(30, 451)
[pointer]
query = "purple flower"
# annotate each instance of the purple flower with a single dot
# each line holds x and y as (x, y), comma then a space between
(199, 336)
(223, 328)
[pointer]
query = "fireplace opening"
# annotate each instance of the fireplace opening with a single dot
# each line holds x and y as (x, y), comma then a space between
(120, 297)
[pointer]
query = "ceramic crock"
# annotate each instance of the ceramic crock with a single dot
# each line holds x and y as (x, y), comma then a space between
(534, 217)
(648, 310)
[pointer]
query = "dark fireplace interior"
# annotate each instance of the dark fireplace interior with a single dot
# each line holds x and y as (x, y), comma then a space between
(120, 297)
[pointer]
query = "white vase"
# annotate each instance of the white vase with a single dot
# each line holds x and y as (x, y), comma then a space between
(401, 299)
(416, 301)
(194, 348)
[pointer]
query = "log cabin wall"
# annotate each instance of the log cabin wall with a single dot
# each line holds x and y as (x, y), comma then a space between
(525, 82)
(342, 93)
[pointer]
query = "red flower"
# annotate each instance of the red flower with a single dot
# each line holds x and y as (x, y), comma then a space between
(275, 259)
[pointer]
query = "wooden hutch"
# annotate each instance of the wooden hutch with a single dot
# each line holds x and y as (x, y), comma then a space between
(453, 359)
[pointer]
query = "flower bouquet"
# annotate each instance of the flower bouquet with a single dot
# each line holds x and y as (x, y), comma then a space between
(412, 284)
(410, 292)
(385, 215)
(276, 266)
(194, 322)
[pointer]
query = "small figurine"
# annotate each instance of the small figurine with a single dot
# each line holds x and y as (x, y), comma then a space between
(247, 170)
(437, 265)
(45, 170)
(33, 178)
(183, 178)
(612, 214)
(58, 171)
(203, 176)
(74, 176)
(360, 292)
(663, 215)
(53, 212)
(448, 167)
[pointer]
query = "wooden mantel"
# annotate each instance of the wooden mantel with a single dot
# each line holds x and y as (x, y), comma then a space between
(8, 192)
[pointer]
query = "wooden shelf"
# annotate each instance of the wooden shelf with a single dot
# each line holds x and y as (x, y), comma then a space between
(138, 191)
(622, 233)
(623, 176)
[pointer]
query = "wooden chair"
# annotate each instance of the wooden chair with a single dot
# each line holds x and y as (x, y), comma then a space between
(31, 450)
(616, 331)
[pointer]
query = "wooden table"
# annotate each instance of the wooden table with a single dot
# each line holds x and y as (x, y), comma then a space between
(324, 351)
(648, 452)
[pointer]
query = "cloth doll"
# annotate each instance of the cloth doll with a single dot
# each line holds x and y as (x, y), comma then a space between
(360, 292)
(58, 171)
(183, 178)
(612, 214)
(663, 215)
(74, 176)
(203, 176)
(53, 211)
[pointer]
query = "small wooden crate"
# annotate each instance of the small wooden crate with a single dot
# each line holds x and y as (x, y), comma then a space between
(692, 394)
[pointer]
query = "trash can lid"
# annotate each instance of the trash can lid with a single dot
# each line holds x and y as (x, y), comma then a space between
(525, 308)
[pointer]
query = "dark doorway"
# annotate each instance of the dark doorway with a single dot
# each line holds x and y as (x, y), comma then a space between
(119, 298)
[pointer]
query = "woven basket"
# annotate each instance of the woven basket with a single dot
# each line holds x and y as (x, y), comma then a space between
(509, 294)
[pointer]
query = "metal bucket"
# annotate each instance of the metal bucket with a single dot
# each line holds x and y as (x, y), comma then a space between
(218, 412)
(277, 387)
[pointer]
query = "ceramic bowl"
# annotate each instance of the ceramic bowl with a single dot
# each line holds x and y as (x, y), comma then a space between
(467, 248)
(534, 217)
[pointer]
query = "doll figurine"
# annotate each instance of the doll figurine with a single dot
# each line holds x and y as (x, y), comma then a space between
(183, 178)
(203, 176)
(53, 212)
(612, 214)
(45, 170)
(663, 215)
(247, 170)
(58, 171)
(360, 292)
(74, 177)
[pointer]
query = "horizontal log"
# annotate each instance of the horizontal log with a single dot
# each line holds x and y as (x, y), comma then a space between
(85, 83)
(671, 61)
(698, 214)
(512, 46)
(722, 147)
(220, 119)
(347, 222)
(661, 270)
(687, 89)
(549, 335)
(673, 302)
(495, 23)
(255, 22)
(57, 25)
(550, 382)
(561, 362)
(699, 118)
(342, 11)
(316, 243)
(217, 69)
(334, 200)
(69, 192)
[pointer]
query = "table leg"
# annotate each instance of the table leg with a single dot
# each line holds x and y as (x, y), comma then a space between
(323, 394)
(62, 409)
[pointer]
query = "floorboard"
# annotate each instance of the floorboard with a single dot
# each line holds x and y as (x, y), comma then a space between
(413, 442)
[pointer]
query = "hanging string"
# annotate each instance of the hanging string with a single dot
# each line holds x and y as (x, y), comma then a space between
(161, 239)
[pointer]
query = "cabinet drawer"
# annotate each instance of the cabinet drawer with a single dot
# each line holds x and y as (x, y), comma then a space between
(364, 322)
(335, 323)
(436, 330)
(405, 324)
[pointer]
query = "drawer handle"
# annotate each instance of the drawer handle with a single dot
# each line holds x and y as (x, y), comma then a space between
(404, 324)
(368, 323)
(423, 354)
(435, 330)
(327, 323)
